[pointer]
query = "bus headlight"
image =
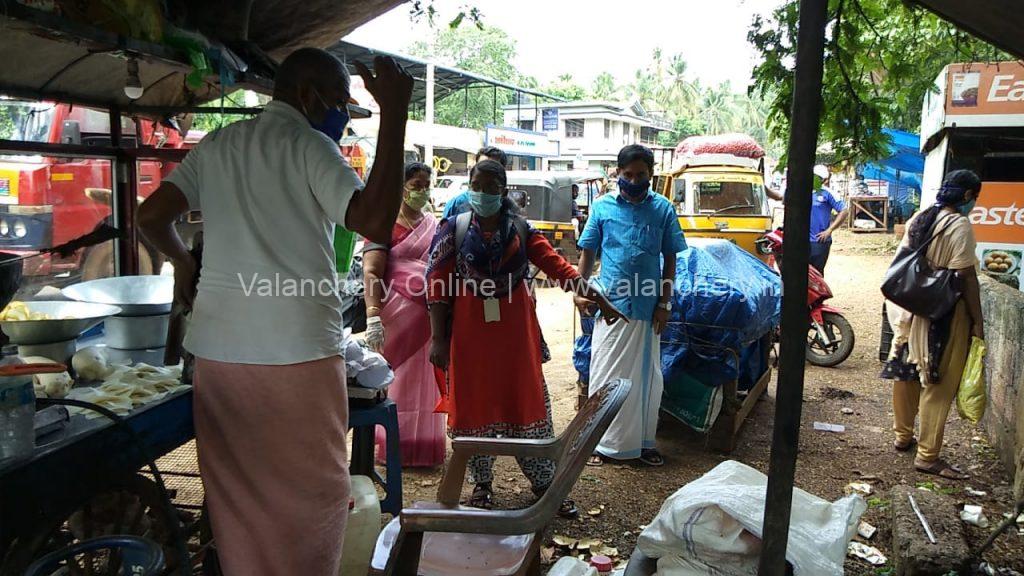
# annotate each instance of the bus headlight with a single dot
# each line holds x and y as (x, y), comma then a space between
(5, 228)
(20, 231)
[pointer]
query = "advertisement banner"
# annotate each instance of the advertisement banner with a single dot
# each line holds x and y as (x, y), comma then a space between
(549, 119)
(998, 220)
(520, 142)
(985, 89)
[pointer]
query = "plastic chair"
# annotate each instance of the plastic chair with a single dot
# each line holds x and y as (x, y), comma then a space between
(479, 537)
(120, 556)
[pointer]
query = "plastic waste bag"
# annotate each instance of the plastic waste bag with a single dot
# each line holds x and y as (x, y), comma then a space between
(971, 397)
(713, 525)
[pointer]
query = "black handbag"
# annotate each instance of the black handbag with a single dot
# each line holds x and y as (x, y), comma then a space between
(912, 284)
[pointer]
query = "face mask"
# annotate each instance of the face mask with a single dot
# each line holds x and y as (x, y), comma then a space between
(818, 182)
(334, 122)
(965, 209)
(484, 204)
(633, 190)
(416, 199)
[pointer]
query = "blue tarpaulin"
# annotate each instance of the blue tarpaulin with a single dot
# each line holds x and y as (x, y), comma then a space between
(724, 301)
(902, 169)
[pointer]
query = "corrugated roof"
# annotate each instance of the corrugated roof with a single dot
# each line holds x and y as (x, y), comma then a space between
(447, 80)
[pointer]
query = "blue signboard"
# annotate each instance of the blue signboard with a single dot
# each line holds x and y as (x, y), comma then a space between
(549, 120)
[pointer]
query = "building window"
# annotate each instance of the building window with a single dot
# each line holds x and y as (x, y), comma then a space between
(526, 125)
(607, 129)
(574, 128)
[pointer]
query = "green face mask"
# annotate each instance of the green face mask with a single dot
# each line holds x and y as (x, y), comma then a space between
(818, 182)
(416, 199)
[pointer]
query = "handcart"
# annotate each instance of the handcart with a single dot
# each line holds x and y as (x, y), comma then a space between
(710, 395)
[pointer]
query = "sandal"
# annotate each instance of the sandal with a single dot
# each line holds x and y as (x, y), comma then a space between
(595, 460)
(651, 457)
(567, 509)
(941, 468)
(904, 446)
(481, 496)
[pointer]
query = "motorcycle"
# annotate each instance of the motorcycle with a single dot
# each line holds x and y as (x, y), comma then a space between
(830, 337)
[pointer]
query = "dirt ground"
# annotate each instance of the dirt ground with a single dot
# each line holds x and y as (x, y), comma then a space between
(631, 496)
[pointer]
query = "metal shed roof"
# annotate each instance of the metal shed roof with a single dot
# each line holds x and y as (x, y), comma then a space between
(447, 80)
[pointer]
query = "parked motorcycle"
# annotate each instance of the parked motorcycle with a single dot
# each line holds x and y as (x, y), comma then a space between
(830, 338)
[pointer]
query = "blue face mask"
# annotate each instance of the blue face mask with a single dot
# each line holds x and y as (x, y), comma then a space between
(484, 204)
(333, 124)
(633, 190)
(965, 209)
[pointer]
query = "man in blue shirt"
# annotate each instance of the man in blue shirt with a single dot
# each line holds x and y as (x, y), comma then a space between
(823, 203)
(460, 202)
(632, 231)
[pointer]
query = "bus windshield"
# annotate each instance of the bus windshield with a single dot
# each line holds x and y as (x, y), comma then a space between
(27, 121)
(723, 197)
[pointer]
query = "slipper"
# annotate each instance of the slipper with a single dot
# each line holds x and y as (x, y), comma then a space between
(651, 457)
(904, 447)
(595, 460)
(481, 496)
(568, 509)
(941, 468)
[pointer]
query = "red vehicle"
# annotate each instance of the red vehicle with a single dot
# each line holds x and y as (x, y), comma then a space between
(45, 201)
(830, 338)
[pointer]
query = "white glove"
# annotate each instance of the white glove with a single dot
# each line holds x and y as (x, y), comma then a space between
(375, 334)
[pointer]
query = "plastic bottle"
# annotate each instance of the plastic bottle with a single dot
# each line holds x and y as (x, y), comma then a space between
(344, 249)
(17, 415)
(362, 528)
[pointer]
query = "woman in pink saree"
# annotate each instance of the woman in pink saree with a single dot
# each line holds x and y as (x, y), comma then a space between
(397, 324)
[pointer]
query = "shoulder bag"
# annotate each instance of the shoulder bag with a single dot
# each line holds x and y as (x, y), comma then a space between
(914, 285)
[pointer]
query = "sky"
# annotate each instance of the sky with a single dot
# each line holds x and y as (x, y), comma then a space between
(584, 37)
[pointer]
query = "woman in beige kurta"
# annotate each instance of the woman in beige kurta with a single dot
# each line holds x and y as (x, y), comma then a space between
(927, 358)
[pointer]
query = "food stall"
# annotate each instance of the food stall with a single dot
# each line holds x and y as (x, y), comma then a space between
(975, 120)
(79, 444)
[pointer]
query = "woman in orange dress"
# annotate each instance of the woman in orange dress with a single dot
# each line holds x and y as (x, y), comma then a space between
(484, 327)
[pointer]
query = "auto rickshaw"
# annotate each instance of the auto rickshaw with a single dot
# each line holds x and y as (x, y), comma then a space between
(546, 200)
(722, 197)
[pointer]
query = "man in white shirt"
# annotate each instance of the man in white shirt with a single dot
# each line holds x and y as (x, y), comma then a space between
(270, 407)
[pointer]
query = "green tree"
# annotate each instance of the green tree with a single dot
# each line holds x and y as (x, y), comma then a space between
(487, 51)
(604, 87)
(882, 57)
(566, 87)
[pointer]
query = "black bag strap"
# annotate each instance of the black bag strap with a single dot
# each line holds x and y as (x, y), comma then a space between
(949, 222)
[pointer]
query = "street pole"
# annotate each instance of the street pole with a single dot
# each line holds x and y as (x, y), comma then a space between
(428, 144)
(803, 143)
(124, 200)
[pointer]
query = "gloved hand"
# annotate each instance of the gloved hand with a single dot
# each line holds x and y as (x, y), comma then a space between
(375, 334)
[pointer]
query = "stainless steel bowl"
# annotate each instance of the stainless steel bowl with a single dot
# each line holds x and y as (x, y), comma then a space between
(80, 317)
(134, 295)
(136, 332)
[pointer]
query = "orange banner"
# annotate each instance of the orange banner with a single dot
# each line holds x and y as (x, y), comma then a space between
(998, 216)
(975, 89)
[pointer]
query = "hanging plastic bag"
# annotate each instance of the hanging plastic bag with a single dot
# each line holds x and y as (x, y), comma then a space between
(971, 398)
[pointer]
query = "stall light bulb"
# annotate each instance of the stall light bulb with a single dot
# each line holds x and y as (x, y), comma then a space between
(133, 86)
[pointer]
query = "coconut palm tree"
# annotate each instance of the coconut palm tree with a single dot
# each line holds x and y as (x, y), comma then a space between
(604, 87)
